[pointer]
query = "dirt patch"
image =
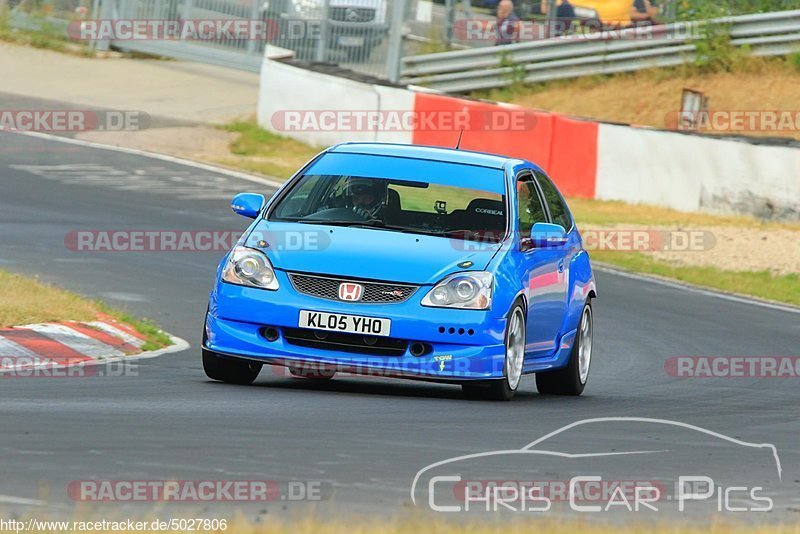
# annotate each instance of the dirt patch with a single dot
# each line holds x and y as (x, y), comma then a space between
(240, 145)
(192, 142)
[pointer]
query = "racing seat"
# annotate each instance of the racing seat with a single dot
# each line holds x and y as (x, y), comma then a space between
(392, 210)
(484, 218)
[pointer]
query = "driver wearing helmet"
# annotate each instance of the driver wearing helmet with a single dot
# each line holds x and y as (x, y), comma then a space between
(366, 196)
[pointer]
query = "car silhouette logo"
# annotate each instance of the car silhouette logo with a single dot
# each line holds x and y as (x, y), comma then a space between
(350, 291)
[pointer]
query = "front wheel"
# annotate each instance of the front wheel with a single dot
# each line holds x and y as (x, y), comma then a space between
(504, 388)
(571, 380)
(230, 371)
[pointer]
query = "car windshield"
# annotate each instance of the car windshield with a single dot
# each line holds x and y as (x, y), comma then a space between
(395, 205)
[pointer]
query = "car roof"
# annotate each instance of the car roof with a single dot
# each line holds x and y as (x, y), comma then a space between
(449, 155)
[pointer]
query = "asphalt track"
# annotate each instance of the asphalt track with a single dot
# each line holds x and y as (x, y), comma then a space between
(363, 438)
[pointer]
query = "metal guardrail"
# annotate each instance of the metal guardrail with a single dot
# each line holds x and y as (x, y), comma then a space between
(765, 34)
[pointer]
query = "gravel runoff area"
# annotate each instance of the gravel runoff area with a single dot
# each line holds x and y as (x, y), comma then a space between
(731, 248)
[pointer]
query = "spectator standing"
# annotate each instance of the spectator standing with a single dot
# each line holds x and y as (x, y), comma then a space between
(643, 13)
(507, 23)
(565, 14)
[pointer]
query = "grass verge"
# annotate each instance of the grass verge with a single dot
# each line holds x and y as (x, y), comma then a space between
(258, 150)
(27, 301)
(652, 97)
(51, 36)
(759, 284)
(47, 35)
(606, 212)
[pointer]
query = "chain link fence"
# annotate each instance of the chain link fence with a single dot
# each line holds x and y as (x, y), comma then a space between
(366, 36)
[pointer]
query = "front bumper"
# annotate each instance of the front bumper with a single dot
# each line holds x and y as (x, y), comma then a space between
(238, 317)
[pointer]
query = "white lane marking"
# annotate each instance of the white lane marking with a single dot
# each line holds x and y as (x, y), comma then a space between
(742, 299)
(10, 350)
(154, 155)
(77, 341)
(181, 183)
(130, 339)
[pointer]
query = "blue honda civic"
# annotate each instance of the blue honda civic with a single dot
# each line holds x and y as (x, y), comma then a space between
(410, 262)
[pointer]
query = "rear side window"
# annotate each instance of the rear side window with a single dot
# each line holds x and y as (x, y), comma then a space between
(558, 208)
(529, 205)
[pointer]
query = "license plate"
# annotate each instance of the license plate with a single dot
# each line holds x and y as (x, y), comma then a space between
(351, 324)
(349, 40)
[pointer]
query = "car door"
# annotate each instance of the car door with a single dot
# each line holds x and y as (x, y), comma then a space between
(541, 277)
(558, 213)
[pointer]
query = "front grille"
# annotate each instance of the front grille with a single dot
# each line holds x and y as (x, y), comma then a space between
(355, 343)
(326, 287)
(352, 14)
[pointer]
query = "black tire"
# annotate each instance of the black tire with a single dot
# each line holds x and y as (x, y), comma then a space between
(567, 381)
(229, 370)
(498, 389)
(225, 369)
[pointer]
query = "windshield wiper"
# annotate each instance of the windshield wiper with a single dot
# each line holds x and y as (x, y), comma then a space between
(369, 223)
(328, 222)
(421, 231)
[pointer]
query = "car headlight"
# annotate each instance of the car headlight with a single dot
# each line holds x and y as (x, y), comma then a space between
(469, 290)
(249, 267)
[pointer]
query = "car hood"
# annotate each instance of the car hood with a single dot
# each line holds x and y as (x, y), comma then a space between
(366, 252)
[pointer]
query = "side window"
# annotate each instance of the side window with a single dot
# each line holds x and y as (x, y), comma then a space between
(558, 208)
(296, 205)
(529, 205)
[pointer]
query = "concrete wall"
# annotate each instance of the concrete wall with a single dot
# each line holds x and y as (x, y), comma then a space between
(695, 173)
(286, 89)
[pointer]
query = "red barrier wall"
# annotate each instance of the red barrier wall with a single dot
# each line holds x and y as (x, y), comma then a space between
(565, 148)
(573, 156)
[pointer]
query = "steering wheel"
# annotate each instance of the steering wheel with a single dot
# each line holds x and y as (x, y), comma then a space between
(335, 214)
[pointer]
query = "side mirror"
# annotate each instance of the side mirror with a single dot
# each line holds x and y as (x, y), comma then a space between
(248, 204)
(546, 235)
